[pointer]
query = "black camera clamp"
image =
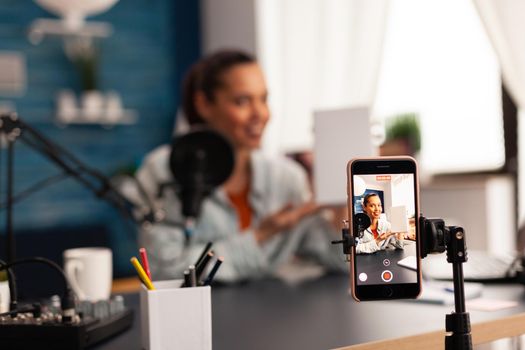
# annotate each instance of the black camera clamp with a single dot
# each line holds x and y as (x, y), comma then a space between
(436, 237)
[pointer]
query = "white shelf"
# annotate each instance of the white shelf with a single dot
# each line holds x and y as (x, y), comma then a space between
(95, 108)
(127, 117)
(43, 27)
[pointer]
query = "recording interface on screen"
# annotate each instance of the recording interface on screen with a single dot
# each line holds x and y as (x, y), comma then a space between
(384, 208)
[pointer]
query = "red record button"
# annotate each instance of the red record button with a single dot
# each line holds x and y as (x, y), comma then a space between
(387, 276)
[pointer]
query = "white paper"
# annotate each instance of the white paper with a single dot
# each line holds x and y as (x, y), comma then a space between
(340, 135)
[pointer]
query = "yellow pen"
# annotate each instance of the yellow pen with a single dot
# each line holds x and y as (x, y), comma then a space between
(142, 274)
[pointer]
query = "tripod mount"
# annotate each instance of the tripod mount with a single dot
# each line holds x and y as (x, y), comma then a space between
(436, 238)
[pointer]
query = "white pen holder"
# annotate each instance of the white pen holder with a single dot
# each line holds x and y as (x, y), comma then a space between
(174, 317)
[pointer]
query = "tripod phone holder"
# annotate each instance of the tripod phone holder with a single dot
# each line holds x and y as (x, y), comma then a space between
(435, 238)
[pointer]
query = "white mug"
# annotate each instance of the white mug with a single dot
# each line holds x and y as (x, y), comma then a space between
(90, 272)
(4, 296)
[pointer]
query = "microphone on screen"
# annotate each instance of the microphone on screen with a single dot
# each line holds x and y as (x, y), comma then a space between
(361, 223)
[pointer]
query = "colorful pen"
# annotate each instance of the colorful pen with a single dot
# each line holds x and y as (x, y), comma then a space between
(199, 269)
(142, 274)
(193, 276)
(213, 271)
(144, 260)
(187, 279)
(190, 277)
(204, 252)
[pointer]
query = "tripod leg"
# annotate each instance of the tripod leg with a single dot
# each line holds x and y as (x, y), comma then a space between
(457, 324)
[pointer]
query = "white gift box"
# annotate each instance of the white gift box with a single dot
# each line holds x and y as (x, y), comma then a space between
(174, 317)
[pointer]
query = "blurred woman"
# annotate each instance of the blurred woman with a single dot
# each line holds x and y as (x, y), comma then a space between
(263, 214)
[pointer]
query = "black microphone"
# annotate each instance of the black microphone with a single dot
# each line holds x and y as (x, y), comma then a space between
(361, 223)
(200, 161)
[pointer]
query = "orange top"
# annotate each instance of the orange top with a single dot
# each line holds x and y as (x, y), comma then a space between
(242, 206)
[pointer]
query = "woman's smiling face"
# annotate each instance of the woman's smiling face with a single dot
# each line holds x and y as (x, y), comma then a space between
(239, 108)
(373, 207)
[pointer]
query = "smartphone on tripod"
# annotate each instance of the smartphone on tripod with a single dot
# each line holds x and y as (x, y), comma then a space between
(383, 207)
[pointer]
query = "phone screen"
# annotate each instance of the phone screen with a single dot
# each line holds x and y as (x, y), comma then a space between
(385, 211)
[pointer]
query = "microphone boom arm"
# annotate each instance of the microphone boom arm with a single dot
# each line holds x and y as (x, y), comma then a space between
(14, 128)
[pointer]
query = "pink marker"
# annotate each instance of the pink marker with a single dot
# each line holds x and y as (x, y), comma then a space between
(144, 259)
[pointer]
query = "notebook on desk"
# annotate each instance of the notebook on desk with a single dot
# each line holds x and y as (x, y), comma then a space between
(410, 262)
(440, 292)
(480, 266)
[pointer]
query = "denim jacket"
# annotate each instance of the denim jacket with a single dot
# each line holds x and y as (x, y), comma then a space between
(275, 182)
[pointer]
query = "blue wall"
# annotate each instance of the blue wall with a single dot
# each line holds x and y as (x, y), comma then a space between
(152, 45)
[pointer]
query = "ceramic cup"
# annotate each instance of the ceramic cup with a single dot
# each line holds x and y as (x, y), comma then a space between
(90, 272)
